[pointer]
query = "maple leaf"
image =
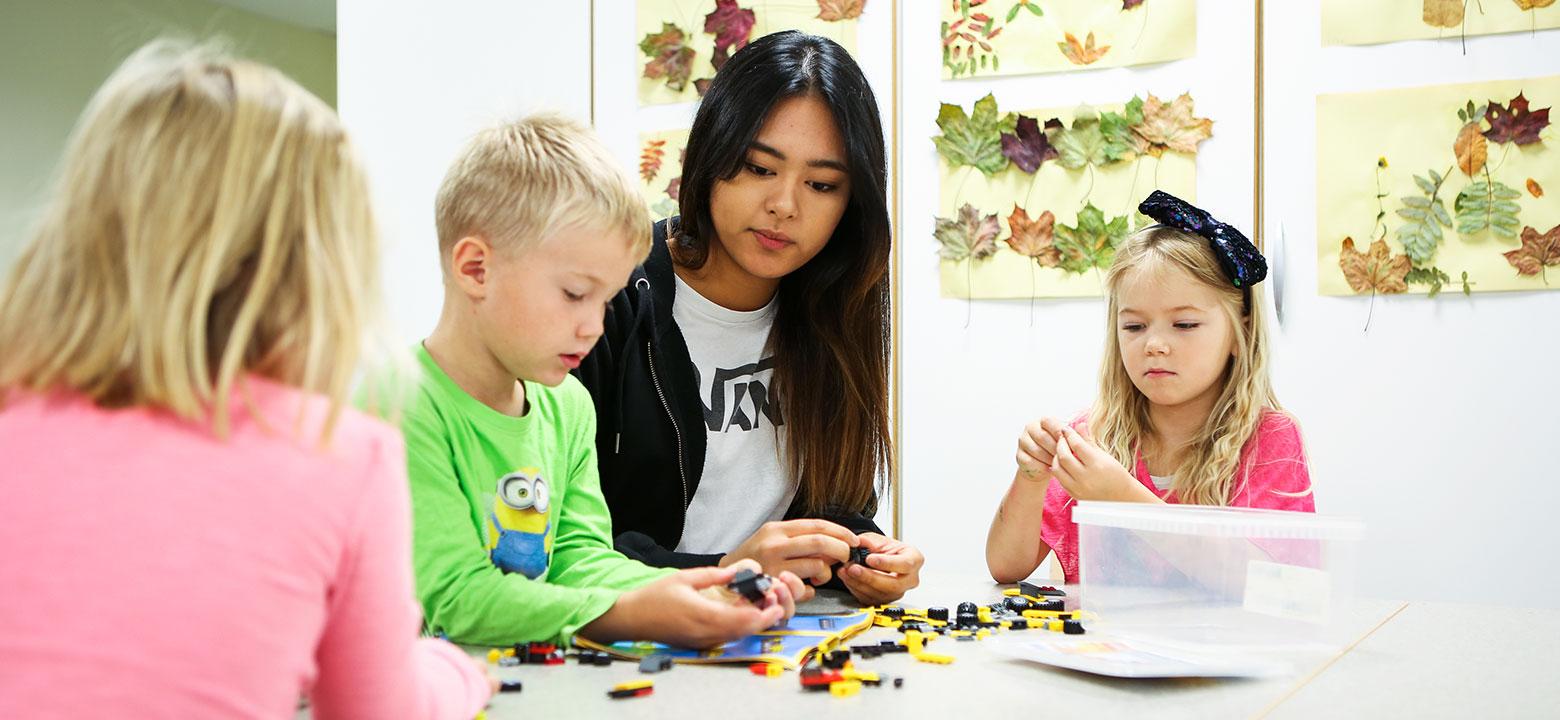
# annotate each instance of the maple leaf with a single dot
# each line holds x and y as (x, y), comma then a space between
(1443, 13)
(836, 10)
(1082, 53)
(1092, 242)
(1129, 4)
(1514, 123)
(1170, 126)
(1531, 4)
(1534, 188)
(650, 159)
(731, 26)
(1537, 252)
(670, 56)
(969, 236)
(674, 187)
(974, 140)
(1377, 271)
(1471, 148)
(1096, 138)
(1026, 146)
(1034, 238)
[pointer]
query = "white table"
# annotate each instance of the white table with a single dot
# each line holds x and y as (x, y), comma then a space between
(1498, 664)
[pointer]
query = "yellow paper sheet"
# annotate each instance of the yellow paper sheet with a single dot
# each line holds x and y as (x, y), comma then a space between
(1116, 191)
(655, 188)
(1155, 31)
(1366, 22)
(1414, 129)
(769, 16)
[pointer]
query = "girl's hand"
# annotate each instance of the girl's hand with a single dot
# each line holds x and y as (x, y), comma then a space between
(1087, 472)
(806, 547)
(1036, 449)
(894, 568)
(690, 608)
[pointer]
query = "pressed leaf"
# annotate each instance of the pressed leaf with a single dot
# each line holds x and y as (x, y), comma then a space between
(1084, 53)
(975, 139)
(1443, 13)
(1034, 238)
(1170, 126)
(1514, 123)
(1531, 4)
(650, 159)
(1534, 188)
(1471, 148)
(670, 57)
(1378, 270)
(674, 188)
(1537, 251)
(1129, 4)
(967, 236)
(1091, 243)
(731, 25)
(1027, 146)
(836, 10)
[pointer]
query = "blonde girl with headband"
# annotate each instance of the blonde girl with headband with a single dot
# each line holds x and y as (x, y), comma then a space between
(1185, 400)
(194, 524)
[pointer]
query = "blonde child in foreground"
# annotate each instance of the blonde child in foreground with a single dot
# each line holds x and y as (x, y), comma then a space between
(1185, 400)
(194, 526)
(538, 229)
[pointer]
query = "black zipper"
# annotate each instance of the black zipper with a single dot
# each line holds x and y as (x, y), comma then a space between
(681, 473)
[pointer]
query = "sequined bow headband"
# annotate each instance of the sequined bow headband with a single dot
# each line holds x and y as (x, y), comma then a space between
(1239, 259)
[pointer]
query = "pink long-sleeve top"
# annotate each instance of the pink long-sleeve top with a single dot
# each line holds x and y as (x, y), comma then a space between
(149, 569)
(1272, 474)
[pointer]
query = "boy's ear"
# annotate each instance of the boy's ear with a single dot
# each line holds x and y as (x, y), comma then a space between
(470, 258)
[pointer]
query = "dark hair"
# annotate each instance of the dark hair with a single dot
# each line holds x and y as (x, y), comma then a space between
(831, 328)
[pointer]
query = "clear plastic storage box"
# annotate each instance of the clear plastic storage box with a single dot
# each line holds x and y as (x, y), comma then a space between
(1234, 577)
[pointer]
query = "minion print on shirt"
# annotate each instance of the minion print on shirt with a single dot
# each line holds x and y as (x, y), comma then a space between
(519, 528)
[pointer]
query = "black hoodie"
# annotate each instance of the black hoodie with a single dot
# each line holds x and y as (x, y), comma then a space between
(650, 431)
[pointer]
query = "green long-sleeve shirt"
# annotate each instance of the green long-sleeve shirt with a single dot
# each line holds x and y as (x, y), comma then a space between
(512, 539)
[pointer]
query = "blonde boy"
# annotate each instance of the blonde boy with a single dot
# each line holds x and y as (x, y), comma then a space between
(538, 229)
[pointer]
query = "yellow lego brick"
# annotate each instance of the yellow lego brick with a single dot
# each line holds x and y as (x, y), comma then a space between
(851, 673)
(494, 655)
(844, 688)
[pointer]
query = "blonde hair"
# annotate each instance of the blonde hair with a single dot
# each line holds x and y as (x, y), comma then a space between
(516, 183)
(1120, 419)
(209, 219)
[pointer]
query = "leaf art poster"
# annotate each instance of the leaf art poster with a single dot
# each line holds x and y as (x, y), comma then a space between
(681, 43)
(981, 38)
(1448, 188)
(1364, 22)
(1034, 203)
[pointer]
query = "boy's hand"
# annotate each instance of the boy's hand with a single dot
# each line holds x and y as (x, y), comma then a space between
(1037, 447)
(1087, 472)
(806, 547)
(678, 610)
(894, 568)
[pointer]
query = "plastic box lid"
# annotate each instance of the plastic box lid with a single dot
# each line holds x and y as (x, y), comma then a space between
(1217, 521)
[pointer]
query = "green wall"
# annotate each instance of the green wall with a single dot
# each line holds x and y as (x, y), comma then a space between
(55, 53)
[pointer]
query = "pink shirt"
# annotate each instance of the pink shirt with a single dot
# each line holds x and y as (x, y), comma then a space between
(1272, 463)
(148, 569)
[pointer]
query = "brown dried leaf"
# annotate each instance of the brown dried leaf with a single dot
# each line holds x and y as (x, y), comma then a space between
(1530, 4)
(1443, 13)
(836, 10)
(1034, 238)
(1084, 53)
(1536, 252)
(1378, 270)
(1471, 148)
(1534, 188)
(1170, 126)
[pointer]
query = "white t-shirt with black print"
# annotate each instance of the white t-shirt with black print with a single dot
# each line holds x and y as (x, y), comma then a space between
(744, 484)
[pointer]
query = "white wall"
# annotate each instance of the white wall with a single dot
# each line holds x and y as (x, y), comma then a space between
(968, 391)
(416, 81)
(1433, 426)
